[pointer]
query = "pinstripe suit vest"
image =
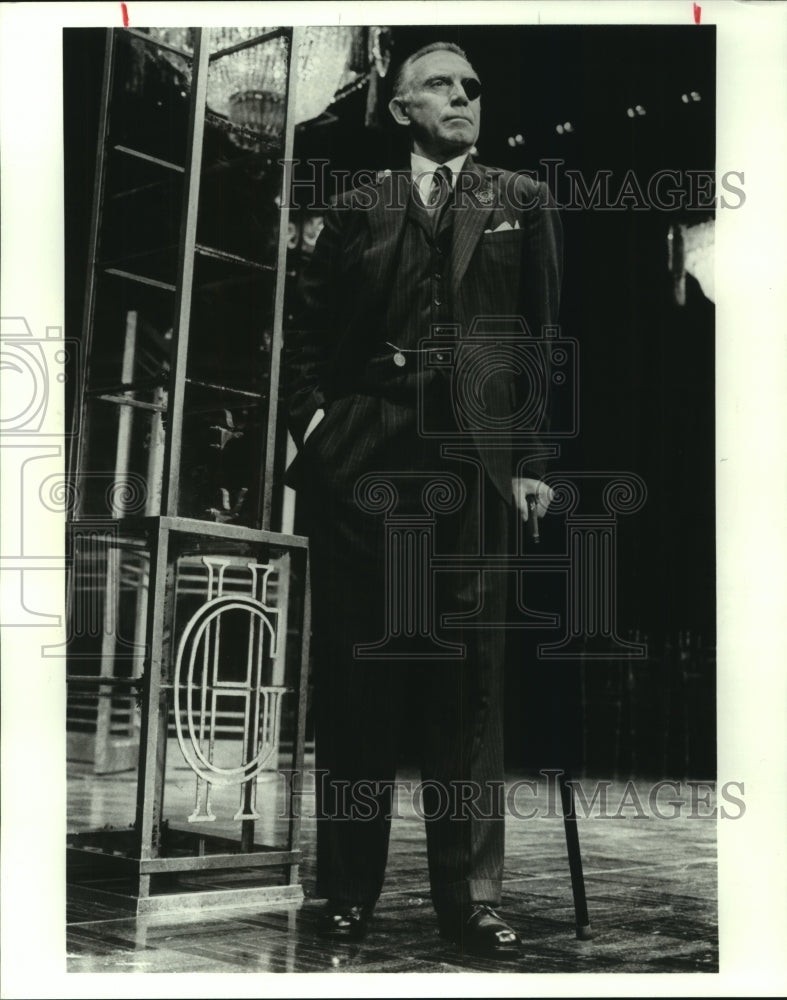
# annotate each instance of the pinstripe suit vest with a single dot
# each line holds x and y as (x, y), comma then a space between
(419, 299)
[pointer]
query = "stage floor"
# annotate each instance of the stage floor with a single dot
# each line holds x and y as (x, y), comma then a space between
(651, 888)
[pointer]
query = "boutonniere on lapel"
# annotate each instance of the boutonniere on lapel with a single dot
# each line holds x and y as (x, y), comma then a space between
(485, 195)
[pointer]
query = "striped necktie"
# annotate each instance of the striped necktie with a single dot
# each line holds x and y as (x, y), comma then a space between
(440, 195)
(441, 188)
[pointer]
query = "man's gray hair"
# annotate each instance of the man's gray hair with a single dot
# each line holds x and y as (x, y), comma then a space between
(402, 74)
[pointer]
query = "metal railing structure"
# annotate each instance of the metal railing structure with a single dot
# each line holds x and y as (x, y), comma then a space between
(188, 613)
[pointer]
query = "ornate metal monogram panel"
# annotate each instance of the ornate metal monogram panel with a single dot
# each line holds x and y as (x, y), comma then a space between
(227, 649)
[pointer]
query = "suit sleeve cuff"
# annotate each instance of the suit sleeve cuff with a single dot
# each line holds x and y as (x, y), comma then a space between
(301, 418)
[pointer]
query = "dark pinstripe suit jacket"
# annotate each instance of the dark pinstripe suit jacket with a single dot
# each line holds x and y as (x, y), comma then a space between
(514, 272)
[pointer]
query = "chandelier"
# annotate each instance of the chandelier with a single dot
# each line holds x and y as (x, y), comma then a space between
(249, 87)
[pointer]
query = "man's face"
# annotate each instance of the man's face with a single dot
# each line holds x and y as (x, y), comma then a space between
(443, 119)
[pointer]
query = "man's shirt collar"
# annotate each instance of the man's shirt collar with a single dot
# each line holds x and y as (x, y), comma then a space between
(423, 171)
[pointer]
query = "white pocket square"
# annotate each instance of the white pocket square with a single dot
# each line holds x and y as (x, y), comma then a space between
(503, 227)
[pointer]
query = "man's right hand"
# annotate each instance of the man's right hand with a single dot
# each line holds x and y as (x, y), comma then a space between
(316, 418)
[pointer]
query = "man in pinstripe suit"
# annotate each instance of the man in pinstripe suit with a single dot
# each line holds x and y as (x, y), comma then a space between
(423, 253)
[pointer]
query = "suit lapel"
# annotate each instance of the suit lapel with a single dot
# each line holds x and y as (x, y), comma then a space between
(475, 203)
(386, 217)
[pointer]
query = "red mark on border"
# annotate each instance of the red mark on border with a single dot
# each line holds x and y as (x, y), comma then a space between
(697, 13)
(124, 12)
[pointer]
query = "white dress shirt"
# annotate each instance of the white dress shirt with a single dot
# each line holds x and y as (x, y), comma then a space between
(423, 172)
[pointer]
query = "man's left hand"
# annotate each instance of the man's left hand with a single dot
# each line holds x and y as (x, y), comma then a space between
(524, 487)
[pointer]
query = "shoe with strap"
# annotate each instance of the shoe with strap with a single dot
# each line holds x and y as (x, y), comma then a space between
(481, 931)
(345, 920)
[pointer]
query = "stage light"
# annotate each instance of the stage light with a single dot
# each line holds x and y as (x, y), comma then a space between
(568, 126)
(519, 139)
(511, 141)
(630, 112)
(695, 96)
(684, 98)
(640, 110)
(559, 129)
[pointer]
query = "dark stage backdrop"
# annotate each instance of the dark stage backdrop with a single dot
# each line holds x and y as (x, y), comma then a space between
(646, 370)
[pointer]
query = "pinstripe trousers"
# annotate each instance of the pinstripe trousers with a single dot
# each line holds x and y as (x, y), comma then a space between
(447, 713)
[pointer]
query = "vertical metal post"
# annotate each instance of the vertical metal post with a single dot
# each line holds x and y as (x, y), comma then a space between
(80, 412)
(102, 761)
(295, 804)
(153, 736)
(281, 278)
(125, 416)
(186, 249)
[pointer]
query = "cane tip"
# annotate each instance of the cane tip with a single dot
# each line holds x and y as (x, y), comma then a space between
(584, 933)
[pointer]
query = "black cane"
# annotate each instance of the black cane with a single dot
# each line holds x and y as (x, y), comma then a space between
(574, 858)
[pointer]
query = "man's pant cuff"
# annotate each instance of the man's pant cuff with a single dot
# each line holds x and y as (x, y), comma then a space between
(459, 894)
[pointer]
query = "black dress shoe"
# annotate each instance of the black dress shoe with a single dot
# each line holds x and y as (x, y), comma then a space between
(341, 920)
(481, 931)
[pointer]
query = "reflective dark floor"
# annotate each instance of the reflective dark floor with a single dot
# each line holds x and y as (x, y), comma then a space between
(651, 887)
